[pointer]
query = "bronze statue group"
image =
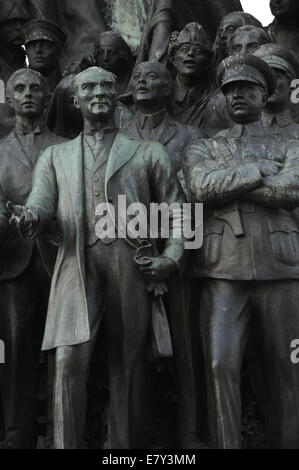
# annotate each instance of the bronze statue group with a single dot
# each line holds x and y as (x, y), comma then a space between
(188, 117)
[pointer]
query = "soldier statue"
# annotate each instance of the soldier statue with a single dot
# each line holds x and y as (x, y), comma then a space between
(249, 182)
(277, 117)
(44, 45)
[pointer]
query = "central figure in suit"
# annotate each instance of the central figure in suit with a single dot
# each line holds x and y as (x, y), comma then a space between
(96, 283)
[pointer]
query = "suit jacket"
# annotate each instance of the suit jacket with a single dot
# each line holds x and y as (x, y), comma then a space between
(16, 173)
(140, 170)
(170, 133)
(249, 231)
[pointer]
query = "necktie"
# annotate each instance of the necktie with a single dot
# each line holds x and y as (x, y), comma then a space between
(99, 144)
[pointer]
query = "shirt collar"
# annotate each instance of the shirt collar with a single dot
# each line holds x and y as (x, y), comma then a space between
(283, 119)
(152, 120)
(100, 132)
(40, 128)
(254, 129)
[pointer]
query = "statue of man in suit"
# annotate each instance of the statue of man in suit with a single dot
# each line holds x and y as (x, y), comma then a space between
(23, 281)
(249, 262)
(96, 282)
(151, 86)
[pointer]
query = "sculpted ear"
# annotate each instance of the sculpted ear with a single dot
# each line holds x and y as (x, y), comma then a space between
(76, 102)
(9, 101)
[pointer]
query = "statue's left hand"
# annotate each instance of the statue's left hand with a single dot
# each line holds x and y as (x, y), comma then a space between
(159, 270)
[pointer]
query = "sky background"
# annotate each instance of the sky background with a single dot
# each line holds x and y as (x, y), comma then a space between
(259, 8)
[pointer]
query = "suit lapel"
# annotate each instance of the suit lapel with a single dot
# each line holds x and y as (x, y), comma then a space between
(73, 169)
(17, 152)
(166, 131)
(122, 150)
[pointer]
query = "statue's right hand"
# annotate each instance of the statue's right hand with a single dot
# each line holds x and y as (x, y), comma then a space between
(22, 217)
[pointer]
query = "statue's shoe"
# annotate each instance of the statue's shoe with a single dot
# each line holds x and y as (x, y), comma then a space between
(16, 440)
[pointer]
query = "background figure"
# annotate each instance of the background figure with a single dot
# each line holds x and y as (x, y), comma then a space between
(81, 20)
(13, 14)
(166, 16)
(24, 285)
(190, 55)
(277, 117)
(64, 119)
(227, 27)
(245, 40)
(112, 53)
(285, 29)
(44, 41)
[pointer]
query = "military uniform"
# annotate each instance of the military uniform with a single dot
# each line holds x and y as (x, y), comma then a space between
(250, 268)
(41, 30)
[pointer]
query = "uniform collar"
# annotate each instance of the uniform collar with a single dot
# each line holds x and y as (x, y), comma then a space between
(152, 120)
(254, 129)
(283, 119)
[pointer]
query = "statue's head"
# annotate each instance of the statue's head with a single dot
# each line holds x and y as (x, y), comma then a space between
(284, 8)
(247, 83)
(95, 94)
(27, 93)
(112, 53)
(151, 84)
(43, 43)
(228, 26)
(286, 68)
(13, 15)
(246, 39)
(190, 51)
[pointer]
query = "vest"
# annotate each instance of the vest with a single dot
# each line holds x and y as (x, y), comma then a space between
(94, 183)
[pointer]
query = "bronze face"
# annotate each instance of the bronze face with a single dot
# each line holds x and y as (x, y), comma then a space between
(27, 95)
(95, 94)
(43, 56)
(149, 85)
(190, 60)
(245, 42)
(109, 55)
(227, 28)
(245, 101)
(280, 100)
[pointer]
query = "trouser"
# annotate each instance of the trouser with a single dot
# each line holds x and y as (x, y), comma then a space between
(180, 321)
(116, 287)
(230, 312)
(21, 299)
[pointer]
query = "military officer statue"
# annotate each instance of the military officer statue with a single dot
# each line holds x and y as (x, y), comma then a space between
(93, 272)
(277, 117)
(22, 291)
(43, 44)
(250, 183)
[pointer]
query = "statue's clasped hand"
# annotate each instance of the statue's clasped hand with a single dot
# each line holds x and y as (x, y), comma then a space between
(23, 218)
(159, 270)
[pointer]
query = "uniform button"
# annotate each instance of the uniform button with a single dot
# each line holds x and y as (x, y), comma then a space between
(96, 179)
(96, 194)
